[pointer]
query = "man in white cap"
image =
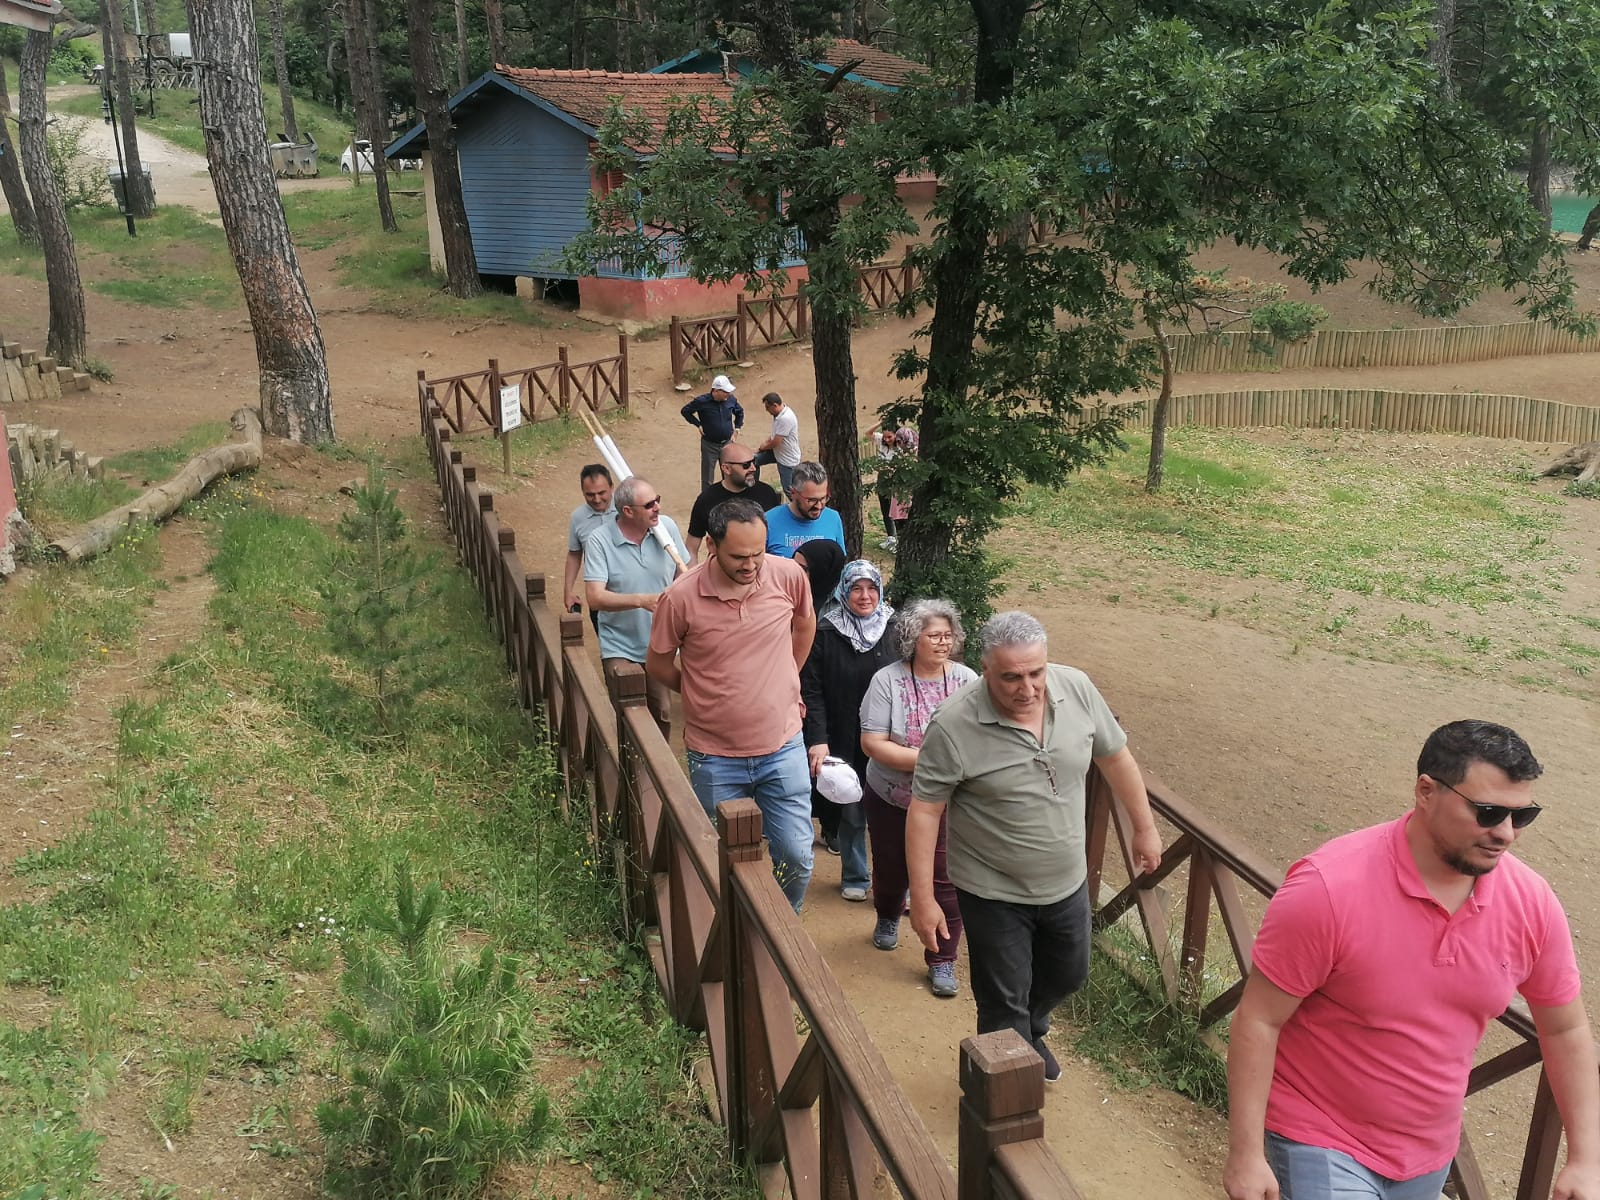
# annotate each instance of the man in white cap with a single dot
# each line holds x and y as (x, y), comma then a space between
(718, 417)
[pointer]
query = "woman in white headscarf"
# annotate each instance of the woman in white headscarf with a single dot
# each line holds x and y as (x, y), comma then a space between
(850, 647)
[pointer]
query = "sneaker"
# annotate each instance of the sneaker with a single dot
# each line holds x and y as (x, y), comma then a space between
(831, 842)
(886, 933)
(853, 893)
(942, 979)
(1052, 1069)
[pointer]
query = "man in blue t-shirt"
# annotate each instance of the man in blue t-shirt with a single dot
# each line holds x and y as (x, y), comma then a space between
(807, 516)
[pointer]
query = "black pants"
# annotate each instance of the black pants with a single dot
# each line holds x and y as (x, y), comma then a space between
(1024, 959)
(883, 507)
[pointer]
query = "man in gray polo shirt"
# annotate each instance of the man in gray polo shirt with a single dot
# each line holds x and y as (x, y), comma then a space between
(1009, 753)
(596, 482)
(625, 570)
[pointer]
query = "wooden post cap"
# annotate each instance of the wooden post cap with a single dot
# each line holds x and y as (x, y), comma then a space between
(739, 826)
(571, 629)
(533, 582)
(508, 538)
(485, 501)
(626, 682)
(1001, 1075)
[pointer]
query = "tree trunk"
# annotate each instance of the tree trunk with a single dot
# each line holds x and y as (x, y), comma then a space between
(242, 453)
(280, 65)
(140, 202)
(366, 94)
(1158, 415)
(1442, 51)
(295, 402)
(1591, 226)
(831, 286)
(847, 20)
(11, 182)
(460, 260)
(497, 33)
(1539, 170)
(67, 341)
(461, 45)
(927, 536)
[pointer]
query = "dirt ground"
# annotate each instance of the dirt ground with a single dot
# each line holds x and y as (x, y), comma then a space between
(1289, 745)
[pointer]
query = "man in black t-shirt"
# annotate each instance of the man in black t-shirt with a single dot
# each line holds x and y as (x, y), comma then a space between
(738, 467)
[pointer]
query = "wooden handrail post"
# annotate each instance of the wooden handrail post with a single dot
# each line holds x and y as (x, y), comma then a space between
(422, 397)
(675, 334)
(739, 832)
(564, 379)
(1002, 1095)
(625, 682)
(802, 317)
(622, 371)
(741, 336)
(1544, 1144)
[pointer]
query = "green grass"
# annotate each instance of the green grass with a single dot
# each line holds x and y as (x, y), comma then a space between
(161, 462)
(54, 503)
(1388, 550)
(186, 934)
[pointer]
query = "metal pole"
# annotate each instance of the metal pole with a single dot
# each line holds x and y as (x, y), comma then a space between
(110, 101)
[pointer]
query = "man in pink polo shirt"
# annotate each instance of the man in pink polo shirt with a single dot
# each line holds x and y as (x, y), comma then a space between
(731, 635)
(1379, 964)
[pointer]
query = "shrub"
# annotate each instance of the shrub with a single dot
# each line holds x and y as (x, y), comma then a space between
(435, 1055)
(80, 175)
(1287, 320)
(376, 599)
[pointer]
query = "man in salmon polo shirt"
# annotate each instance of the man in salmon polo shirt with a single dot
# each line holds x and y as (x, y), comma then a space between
(731, 635)
(1380, 962)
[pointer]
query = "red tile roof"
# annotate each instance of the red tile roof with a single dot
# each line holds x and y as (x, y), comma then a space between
(877, 65)
(587, 95)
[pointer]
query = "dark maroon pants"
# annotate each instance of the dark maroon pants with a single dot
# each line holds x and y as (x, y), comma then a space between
(886, 835)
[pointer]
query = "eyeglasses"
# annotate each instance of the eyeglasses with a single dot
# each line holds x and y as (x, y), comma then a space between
(1043, 759)
(808, 502)
(656, 503)
(939, 638)
(1490, 815)
(742, 462)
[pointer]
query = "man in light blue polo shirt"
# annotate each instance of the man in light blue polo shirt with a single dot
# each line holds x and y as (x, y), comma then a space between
(625, 570)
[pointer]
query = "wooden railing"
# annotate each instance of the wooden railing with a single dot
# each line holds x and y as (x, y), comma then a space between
(1207, 864)
(545, 391)
(773, 320)
(1524, 418)
(1343, 348)
(818, 1113)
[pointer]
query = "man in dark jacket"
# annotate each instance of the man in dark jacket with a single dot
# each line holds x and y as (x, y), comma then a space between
(719, 418)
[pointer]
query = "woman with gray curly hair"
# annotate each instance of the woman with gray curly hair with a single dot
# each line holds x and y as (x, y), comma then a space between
(899, 701)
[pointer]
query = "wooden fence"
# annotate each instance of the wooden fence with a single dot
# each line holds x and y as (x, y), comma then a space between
(1208, 864)
(545, 391)
(773, 320)
(1243, 351)
(1520, 417)
(818, 1113)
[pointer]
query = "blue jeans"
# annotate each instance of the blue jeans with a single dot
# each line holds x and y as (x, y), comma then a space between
(853, 846)
(780, 784)
(785, 474)
(1314, 1173)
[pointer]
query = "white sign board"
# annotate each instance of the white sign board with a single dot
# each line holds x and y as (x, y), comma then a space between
(30, 14)
(510, 407)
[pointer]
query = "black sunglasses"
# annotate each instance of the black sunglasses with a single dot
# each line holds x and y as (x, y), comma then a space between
(1490, 815)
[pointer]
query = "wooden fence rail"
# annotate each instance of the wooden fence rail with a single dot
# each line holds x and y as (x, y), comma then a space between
(773, 320)
(545, 391)
(818, 1113)
(1521, 417)
(1243, 351)
(1206, 865)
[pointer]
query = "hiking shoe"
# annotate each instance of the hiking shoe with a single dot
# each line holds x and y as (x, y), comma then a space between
(942, 979)
(1052, 1069)
(853, 893)
(886, 933)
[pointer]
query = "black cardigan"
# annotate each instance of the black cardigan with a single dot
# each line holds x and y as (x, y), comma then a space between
(834, 682)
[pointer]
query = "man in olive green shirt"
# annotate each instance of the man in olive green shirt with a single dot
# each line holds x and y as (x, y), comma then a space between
(1009, 754)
